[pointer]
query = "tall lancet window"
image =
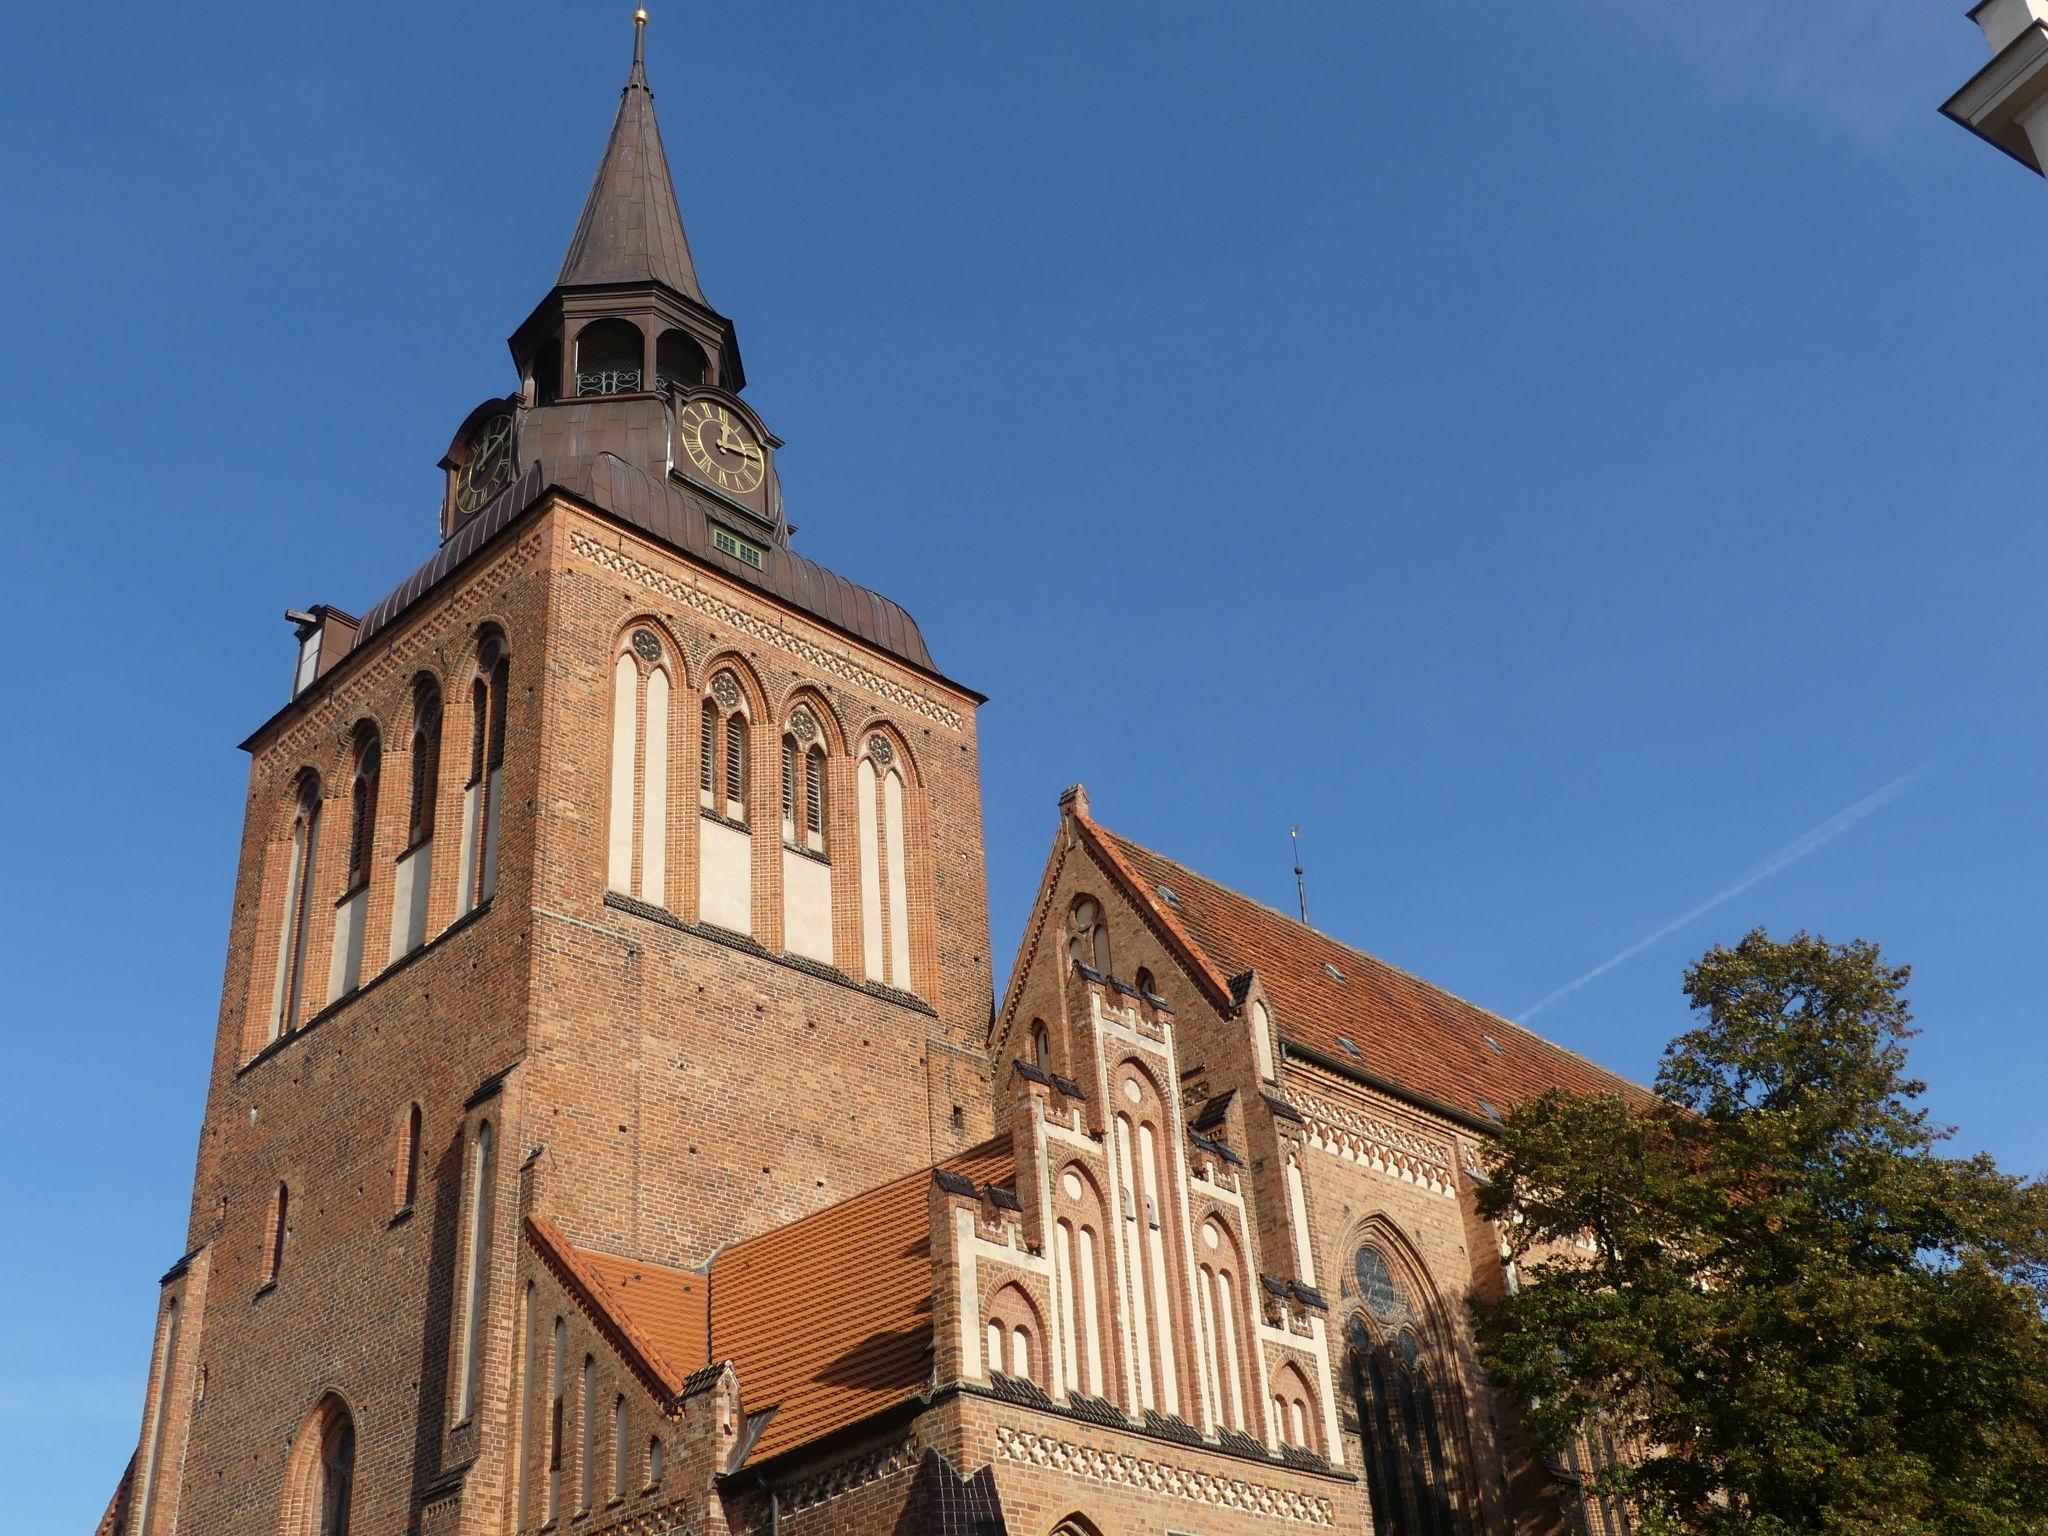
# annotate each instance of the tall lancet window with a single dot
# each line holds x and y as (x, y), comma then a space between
(884, 864)
(289, 991)
(638, 860)
(482, 799)
(806, 867)
(725, 850)
(345, 964)
(414, 875)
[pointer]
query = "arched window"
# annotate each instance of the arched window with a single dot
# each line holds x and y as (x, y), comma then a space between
(555, 1392)
(803, 784)
(1080, 1281)
(320, 1481)
(1217, 1293)
(609, 358)
(405, 1167)
(300, 878)
(1088, 934)
(725, 851)
(483, 1167)
(1296, 1418)
(1041, 1046)
(586, 1457)
(1403, 1416)
(415, 873)
(1143, 982)
(490, 693)
(280, 1230)
(653, 1461)
(345, 964)
(638, 863)
(1013, 1336)
(619, 1443)
(362, 805)
(884, 864)
(806, 864)
(678, 361)
(1261, 1025)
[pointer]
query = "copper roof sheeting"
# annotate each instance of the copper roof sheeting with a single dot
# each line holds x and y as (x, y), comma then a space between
(827, 1320)
(631, 230)
(673, 515)
(1436, 1047)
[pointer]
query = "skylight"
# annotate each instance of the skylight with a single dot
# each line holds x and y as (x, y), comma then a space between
(1350, 1049)
(1335, 974)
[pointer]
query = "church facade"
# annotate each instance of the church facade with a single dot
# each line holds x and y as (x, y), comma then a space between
(616, 1123)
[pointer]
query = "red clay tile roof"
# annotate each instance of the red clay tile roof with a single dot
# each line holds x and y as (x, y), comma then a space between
(827, 1320)
(115, 1520)
(1416, 1036)
(656, 1313)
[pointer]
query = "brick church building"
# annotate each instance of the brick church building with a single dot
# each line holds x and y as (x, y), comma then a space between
(616, 1123)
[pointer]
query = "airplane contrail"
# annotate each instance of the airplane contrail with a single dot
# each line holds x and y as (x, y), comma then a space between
(1807, 842)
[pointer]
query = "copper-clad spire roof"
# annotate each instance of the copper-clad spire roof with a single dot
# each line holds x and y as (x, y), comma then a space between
(631, 230)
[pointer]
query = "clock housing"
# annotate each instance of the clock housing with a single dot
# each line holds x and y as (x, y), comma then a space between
(718, 444)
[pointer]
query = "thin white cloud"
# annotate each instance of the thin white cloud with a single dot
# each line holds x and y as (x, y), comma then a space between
(1807, 842)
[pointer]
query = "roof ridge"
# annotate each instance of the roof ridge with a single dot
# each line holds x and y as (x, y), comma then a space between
(1369, 957)
(577, 1269)
(991, 1146)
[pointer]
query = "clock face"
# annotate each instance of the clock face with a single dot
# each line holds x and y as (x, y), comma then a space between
(488, 466)
(722, 447)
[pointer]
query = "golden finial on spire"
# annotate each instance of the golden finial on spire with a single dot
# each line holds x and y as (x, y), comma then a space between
(639, 37)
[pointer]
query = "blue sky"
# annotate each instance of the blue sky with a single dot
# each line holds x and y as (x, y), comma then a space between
(1561, 457)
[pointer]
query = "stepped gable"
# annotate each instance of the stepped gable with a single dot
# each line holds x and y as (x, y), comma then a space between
(1420, 1038)
(827, 1320)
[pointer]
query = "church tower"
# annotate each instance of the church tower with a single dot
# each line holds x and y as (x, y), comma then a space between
(617, 877)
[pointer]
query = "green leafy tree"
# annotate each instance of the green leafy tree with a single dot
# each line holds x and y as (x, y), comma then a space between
(1768, 1280)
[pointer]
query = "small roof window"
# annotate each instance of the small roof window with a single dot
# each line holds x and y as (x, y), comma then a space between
(1350, 1048)
(1334, 973)
(1492, 1044)
(1166, 894)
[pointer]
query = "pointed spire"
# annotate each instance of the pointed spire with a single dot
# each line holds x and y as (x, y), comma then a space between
(631, 230)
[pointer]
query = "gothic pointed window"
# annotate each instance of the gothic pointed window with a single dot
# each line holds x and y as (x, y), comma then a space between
(638, 846)
(476, 1282)
(807, 905)
(412, 881)
(362, 816)
(1401, 1384)
(725, 877)
(483, 808)
(880, 815)
(300, 886)
(337, 1476)
(345, 963)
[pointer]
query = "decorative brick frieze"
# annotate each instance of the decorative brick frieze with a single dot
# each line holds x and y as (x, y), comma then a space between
(1380, 1143)
(1153, 1475)
(816, 657)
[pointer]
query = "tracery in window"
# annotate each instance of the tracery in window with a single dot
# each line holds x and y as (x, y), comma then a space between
(725, 876)
(807, 906)
(1405, 1403)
